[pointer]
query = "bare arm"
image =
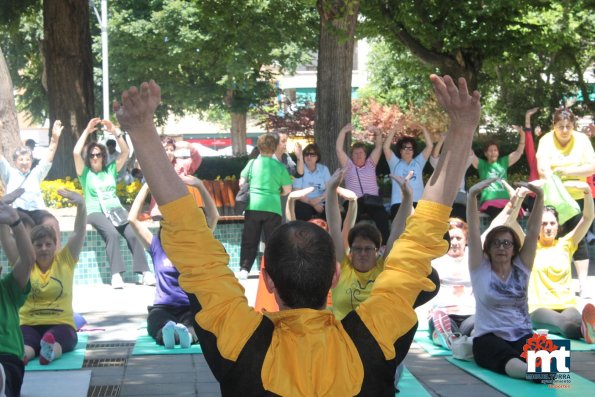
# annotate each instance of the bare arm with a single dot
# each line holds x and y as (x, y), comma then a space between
(340, 145)
(77, 152)
(9, 218)
(473, 235)
(438, 146)
(581, 229)
(428, 140)
(211, 212)
(56, 132)
(510, 213)
(333, 215)
(388, 153)
(142, 231)
(529, 248)
(351, 215)
(124, 150)
(300, 159)
(405, 209)
(135, 115)
(286, 190)
(516, 155)
(293, 196)
(375, 155)
(474, 159)
(77, 238)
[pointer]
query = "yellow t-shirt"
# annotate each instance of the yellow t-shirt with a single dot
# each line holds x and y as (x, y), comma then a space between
(577, 151)
(353, 287)
(550, 285)
(50, 299)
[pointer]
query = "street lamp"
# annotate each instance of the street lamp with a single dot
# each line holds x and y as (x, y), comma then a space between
(102, 19)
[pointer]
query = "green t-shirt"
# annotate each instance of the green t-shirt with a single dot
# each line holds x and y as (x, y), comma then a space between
(498, 169)
(266, 176)
(99, 188)
(11, 299)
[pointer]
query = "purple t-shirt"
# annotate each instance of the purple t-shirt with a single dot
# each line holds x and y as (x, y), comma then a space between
(167, 291)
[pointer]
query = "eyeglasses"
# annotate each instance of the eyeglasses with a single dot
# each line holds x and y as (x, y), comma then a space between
(407, 148)
(310, 154)
(96, 155)
(363, 250)
(502, 243)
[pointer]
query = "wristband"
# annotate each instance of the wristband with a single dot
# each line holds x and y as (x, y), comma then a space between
(15, 223)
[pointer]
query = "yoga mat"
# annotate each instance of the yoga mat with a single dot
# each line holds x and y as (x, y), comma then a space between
(523, 388)
(146, 345)
(70, 360)
(575, 344)
(422, 339)
(410, 386)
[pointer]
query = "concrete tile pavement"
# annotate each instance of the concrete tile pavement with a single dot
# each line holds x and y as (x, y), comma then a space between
(121, 315)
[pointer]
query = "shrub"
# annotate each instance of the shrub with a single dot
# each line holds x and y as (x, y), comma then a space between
(49, 191)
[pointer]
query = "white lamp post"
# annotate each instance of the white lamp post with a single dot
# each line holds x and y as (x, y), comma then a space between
(102, 19)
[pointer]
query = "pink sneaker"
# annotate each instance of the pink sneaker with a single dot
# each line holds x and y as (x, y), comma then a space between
(588, 323)
(443, 326)
(46, 353)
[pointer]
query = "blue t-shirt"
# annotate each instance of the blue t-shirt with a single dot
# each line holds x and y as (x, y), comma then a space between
(317, 179)
(399, 167)
(167, 288)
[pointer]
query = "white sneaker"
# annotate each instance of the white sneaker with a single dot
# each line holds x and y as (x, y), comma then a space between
(117, 282)
(148, 279)
(243, 275)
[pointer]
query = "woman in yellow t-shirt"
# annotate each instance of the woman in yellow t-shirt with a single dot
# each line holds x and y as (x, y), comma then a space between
(551, 299)
(47, 318)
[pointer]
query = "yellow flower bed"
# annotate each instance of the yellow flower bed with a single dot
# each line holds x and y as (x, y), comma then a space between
(49, 190)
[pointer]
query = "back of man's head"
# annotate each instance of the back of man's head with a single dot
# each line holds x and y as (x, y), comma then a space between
(300, 259)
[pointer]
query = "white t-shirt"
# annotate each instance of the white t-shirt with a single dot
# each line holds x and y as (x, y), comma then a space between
(456, 294)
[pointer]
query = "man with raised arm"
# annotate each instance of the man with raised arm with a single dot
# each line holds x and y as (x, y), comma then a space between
(302, 350)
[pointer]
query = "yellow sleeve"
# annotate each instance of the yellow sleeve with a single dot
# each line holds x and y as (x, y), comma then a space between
(388, 312)
(202, 263)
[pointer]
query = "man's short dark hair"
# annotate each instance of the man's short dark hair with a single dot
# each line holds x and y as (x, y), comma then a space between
(367, 231)
(300, 259)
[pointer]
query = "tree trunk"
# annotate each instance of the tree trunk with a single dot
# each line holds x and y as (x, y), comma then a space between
(10, 138)
(69, 70)
(238, 133)
(333, 80)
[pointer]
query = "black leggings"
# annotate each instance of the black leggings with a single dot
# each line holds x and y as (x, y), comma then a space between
(14, 369)
(159, 315)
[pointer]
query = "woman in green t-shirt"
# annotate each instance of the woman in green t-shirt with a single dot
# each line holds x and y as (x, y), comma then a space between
(104, 210)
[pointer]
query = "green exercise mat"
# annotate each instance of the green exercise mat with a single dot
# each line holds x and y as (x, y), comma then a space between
(146, 345)
(575, 344)
(410, 386)
(523, 388)
(71, 360)
(423, 340)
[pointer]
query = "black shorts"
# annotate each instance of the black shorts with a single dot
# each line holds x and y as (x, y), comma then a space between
(493, 352)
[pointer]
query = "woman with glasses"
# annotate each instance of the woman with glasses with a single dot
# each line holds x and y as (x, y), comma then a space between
(316, 176)
(406, 160)
(551, 297)
(30, 204)
(500, 271)
(104, 210)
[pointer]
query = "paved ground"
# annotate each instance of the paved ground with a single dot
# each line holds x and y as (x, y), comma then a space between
(117, 316)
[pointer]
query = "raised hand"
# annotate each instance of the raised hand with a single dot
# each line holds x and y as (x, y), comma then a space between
(9, 198)
(462, 108)
(301, 193)
(92, 124)
(57, 130)
(8, 215)
(531, 112)
(72, 196)
(298, 150)
(404, 183)
(346, 128)
(479, 186)
(109, 127)
(138, 107)
(336, 179)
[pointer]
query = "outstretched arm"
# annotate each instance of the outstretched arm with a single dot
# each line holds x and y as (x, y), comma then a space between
(333, 215)
(77, 238)
(516, 155)
(530, 145)
(428, 140)
(473, 235)
(300, 159)
(77, 152)
(510, 213)
(142, 231)
(291, 199)
(375, 155)
(340, 145)
(405, 209)
(581, 229)
(6, 238)
(56, 132)
(22, 266)
(529, 248)
(438, 146)
(351, 215)
(388, 153)
(124, 150)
